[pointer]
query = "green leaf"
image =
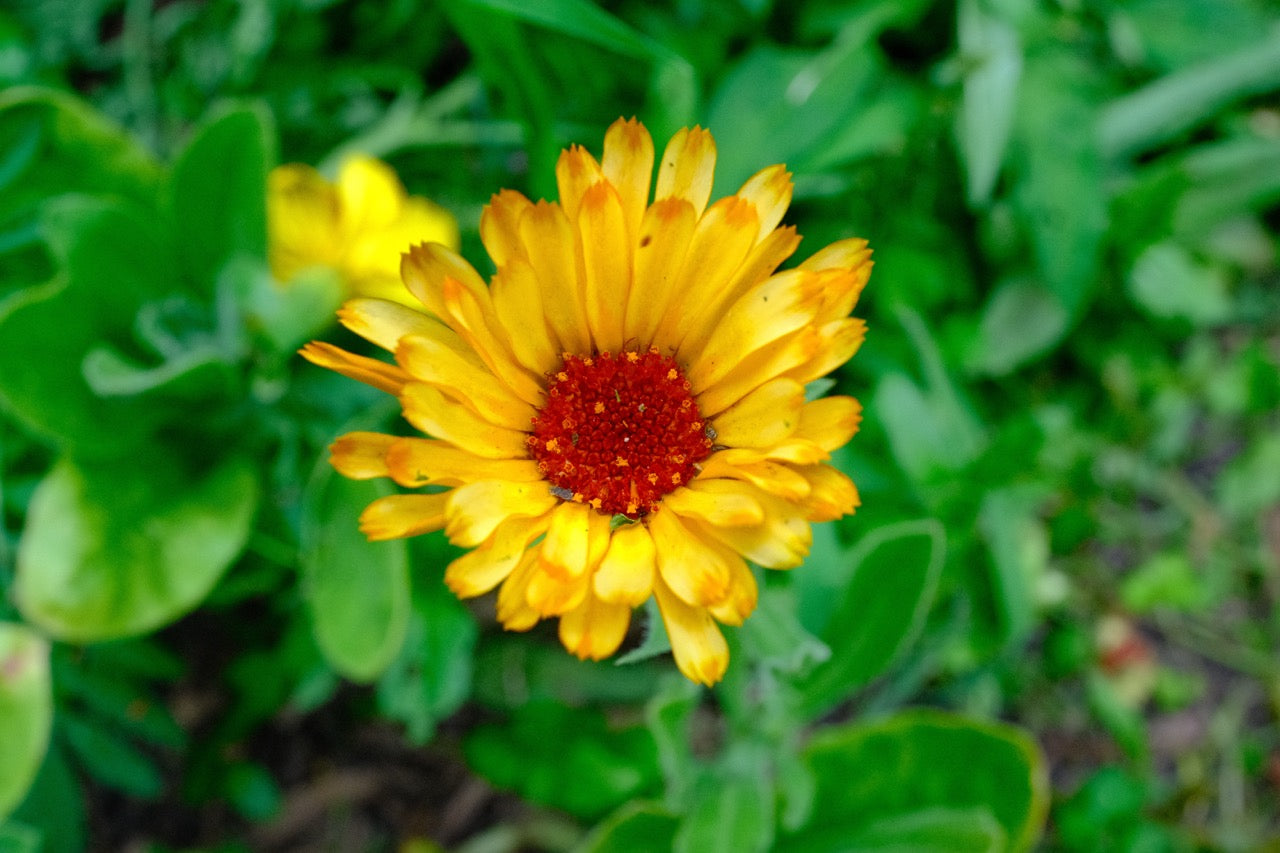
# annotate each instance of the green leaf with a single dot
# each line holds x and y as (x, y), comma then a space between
(112, 259)
(1020, 321)
(566, 758)
(1059, 188)
(1248, 485)
(357, 591)
(730, 809)
(19, 838)
(919, 762)
(1177, 102)
(110, 758)
(217, 193)
(55, 805)
(114, 549)
(938, 830)
(26, 706)
(1019, 545)
(581, 20)
(1168, 283)
(882, 602)
(638, 825)
(992, 55)
(432, 675)
(54, 143)
(776, 105)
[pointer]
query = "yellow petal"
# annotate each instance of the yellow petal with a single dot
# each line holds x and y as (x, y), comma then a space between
(838, 341)
(442, 417)
(398, 516)
(665, 233)
(576, 172)
(769, 191)
(547, 235)
(500, 226)
(754, 467)
(518, 305)
(606, 259)
(475, 510)
(426, 267)
(625, 575)
(594, 629)
(383, 322)
(370, 371)
(724, 237)
(575, 540)
(722, 502)
(759, 264)
(361, 455)
(552, 594)
(693, 570)
(696, 643)
(829, 422)
(777, 306)
(832, 494)
(415, 462)
(302, 222)
(513, 608)
(688, 167)
(763, 418)
(628, 165)
(369, 195)
(781, 542)
(743, 594)
(371, 259)
(480, 570)
(842, 254)
(433, 361)
(472, 320)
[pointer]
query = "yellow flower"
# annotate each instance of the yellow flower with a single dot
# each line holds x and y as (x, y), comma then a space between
(621, 411)
(358, 226)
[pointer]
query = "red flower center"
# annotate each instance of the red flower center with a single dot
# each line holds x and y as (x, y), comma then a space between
(619, 432)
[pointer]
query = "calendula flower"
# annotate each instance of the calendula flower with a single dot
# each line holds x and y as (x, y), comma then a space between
(357, 226)
(620, 413)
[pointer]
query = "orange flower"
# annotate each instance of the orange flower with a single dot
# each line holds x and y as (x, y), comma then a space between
(620, 413)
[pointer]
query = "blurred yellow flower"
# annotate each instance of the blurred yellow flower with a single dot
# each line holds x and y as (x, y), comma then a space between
(620, 413)
(357, 226)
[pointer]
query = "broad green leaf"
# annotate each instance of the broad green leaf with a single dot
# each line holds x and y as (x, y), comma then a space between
(1058, 187)
(1174, 34)
(431, 677)
(730, 810)
(217, 194)
(112, 260)
(52, 143)
(1248, 485)
(667, 716)
(568, 758)
(1020, 321)
(1019, 546)
(114, 549)
(938, 830)
(19, 838)
(922, 761)
(357, 591)
(1177, 102)
(1169, 283)
(1225, 180)
(776, 105)
(26, 706)
(638, 825)
(882, 601)
(55, 805)
(992, 57)
(775, 639)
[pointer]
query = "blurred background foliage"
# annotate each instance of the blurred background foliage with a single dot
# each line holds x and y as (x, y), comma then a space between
(1056, 616)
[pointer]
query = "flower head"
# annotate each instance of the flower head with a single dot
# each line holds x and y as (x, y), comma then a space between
(621, 412)
(357, 226)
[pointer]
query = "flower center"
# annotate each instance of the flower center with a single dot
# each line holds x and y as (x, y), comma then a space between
(619, 432)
